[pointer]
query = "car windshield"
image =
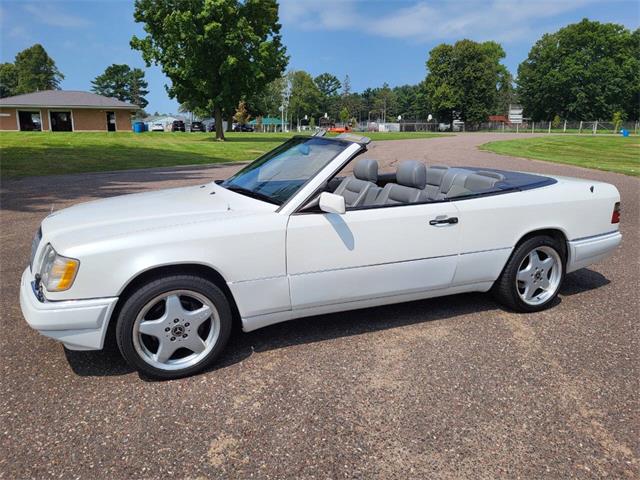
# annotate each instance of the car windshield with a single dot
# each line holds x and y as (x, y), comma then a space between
(279, 174)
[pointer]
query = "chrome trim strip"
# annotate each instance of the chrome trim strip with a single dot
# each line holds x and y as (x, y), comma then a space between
(591, 237)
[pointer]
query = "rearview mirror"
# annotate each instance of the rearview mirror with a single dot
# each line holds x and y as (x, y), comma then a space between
(332, 203)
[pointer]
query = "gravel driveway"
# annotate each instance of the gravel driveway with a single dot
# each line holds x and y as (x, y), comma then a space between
(454, 387)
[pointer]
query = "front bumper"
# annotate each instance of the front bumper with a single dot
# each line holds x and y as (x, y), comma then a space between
(79, 324)
(585, 251)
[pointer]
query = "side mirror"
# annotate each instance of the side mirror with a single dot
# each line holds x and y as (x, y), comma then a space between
(332, 203)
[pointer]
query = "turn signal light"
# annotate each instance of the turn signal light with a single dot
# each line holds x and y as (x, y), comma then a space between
(615, 217)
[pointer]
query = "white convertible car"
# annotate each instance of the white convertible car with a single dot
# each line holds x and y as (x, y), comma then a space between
(309, 228)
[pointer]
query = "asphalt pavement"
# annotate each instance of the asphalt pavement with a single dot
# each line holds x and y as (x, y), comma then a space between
(453, 387)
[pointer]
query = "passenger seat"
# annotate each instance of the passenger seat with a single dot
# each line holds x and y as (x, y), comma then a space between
(362, 185)
(411, 178)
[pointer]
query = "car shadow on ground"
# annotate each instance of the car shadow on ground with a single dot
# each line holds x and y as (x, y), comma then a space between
(320, 328)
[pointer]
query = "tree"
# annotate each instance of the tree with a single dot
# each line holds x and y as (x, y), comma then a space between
(8, 79)
(385, 102)
(305, 96)
(242, 116)
(327, 84)
(35, 70)
(463, 80)
(587, 70)
(215, 52)
(123, 83)
(267, 101)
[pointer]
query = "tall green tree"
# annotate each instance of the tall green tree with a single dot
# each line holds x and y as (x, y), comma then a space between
(305, 96)
(122, 82)
(8, 79)
(587, 70)
(328, 84)
(35, 70)
(463, 80)
(215, 52)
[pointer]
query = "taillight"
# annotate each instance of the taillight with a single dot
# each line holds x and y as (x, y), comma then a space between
(615, 216)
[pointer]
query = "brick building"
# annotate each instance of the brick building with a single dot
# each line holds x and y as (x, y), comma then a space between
(65, 111)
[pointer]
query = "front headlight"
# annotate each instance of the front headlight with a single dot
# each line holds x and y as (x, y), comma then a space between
(57, 273)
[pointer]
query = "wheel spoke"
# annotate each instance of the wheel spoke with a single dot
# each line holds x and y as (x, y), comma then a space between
(173, 307)
(544, 283)
(195, 344)
(529, 291)
(534, 259)
(155, 328)
(525, 275)
(197, 317)
(547, 263)
(165, 350)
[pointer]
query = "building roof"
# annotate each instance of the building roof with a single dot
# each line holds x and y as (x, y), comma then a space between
(267, 121)
(65, 98)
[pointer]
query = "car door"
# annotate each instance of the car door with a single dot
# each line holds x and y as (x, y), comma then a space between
(371, 253)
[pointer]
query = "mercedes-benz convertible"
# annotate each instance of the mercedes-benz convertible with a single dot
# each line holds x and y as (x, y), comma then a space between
(309, 228)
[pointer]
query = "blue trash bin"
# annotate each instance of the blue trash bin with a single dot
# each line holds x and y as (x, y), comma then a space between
(138, 127)
(625, 133)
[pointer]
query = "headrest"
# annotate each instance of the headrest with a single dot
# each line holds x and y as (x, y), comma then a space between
(476, 182)
(412, 173)
(366, 169)
(435, 174)
(495, 175)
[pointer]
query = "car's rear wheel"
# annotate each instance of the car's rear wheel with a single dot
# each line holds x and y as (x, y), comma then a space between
(174, 326)
(533, 275)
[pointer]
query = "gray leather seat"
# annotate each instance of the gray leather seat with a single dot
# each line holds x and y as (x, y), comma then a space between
(435, 176)
(362, 185)
(411, 178)
(474, 183)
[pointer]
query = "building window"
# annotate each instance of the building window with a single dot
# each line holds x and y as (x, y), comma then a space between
(29, 121)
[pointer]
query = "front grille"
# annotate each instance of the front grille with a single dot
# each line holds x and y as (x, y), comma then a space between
(35, 243)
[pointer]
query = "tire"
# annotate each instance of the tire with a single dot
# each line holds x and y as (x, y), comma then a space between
(174, 326)
(530, 282)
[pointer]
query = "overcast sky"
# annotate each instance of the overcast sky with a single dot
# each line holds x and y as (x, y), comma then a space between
(373, 41)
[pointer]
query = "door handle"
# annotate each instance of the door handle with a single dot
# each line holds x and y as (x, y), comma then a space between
(443, 220)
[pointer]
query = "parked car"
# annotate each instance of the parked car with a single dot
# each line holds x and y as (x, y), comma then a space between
(211, 127)
(157, 127)
(289, 237)
(197, 127)
(237, 127)
(177, 126)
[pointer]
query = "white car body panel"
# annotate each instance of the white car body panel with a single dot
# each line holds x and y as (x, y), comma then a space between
(279, 264)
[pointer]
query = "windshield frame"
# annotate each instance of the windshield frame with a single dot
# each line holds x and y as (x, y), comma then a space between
(289, 143)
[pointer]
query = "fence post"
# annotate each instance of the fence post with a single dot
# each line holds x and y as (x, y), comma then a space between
(533, 126)
(517, 128)
(549, 127)
(564, 129)
(580, 130)
(595, 127)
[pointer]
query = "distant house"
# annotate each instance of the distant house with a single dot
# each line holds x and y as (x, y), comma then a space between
(65, 111)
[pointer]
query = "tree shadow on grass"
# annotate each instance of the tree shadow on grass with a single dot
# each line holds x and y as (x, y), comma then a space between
(40, 194)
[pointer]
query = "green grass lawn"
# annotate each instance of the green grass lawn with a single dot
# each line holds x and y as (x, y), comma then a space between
(613, 154)
(46, 153)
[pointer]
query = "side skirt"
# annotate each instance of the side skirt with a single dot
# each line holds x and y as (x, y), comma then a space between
(253, 323)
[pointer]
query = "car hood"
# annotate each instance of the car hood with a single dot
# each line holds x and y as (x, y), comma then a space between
(160, 209)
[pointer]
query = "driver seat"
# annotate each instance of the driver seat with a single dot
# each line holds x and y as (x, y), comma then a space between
(357, 188)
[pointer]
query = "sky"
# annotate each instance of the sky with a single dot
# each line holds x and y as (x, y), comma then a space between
(371, 41)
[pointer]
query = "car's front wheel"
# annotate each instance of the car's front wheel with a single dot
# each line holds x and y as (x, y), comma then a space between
(173, 326)
(533, 275)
